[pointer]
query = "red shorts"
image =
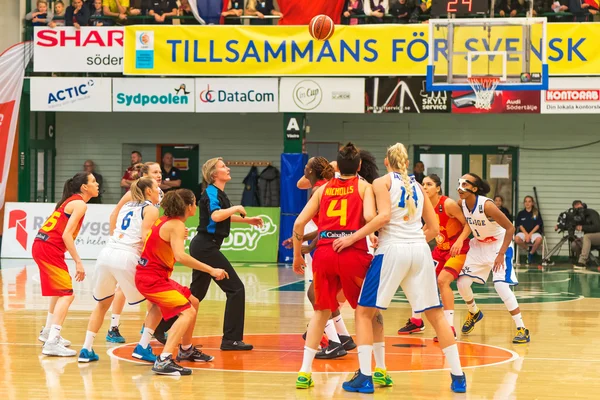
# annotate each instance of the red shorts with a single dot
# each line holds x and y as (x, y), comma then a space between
(54, 273)
(168, 295)
(334, 272)
(443, 261)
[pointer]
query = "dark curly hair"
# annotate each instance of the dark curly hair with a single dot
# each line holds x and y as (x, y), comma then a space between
(368, 169)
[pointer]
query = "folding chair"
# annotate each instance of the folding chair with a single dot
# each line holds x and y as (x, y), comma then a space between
(544, 248)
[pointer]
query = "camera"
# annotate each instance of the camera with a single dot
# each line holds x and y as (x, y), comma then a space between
(570, 219)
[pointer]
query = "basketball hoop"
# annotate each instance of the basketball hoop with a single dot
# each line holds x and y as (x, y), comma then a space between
(484, 88)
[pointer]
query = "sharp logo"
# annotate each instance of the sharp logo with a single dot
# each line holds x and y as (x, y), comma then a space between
(247, 238)
(18, 219)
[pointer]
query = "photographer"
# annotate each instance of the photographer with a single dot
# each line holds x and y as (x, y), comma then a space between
(591, 231)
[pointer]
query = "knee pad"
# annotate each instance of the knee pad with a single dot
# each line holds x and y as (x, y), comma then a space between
(507, 295)
(464, 287)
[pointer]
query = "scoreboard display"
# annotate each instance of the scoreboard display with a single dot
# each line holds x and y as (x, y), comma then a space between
(459, 7)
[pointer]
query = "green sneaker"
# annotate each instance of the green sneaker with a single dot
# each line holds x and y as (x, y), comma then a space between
(304, 380)
(381, 377)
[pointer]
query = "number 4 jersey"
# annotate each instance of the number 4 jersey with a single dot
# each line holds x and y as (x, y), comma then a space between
(128, 231)
(341, 212)
(54, 227)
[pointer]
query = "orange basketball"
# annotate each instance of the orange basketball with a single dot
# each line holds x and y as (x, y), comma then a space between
(321, 27)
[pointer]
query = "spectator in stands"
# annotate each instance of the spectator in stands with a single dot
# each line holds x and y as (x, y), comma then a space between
(59, 11)
(128, 178)
(376, 9)
(186, 11)
(160, 10)
(400, 10)
(260, 8)
(353, 8)
(77, 15)
(171, 176)
(580, 10)
(499, 201)
(519, 7)
(422, 10)
(530, 228)
(502, 7)
(116, 8)
(419, 171)
(41, 15)
(90, 167)
(235, 8)
(96, 15)
(591, 234)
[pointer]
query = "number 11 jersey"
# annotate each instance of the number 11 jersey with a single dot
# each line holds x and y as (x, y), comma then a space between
(128, 231)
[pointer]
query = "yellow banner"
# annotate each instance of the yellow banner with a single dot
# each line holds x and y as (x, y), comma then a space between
(365, 50)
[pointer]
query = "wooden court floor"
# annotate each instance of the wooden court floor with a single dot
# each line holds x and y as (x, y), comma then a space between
(560, 307)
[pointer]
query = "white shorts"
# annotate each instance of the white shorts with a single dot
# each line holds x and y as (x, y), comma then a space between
(408, 265)
(116, 266)
(534, 236)
(480, 261)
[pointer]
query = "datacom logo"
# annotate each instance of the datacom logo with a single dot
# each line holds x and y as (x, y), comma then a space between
(18, 219)
(209, 95)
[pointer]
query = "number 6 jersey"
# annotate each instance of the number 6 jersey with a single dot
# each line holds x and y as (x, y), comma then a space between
(128, 231)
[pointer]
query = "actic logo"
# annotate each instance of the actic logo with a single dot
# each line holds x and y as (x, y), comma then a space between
(18, 219)
(206, 96)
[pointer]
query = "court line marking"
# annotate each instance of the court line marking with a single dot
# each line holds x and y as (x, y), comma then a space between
(514, 356)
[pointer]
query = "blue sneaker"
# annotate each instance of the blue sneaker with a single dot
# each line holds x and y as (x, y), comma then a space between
(114, 336)
(86, 356)
(529, 258)
(144, 354)
(471, 320)
(359, 383)
(459, 383)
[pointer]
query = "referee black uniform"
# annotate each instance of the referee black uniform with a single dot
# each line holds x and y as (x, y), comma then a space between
(206, 248)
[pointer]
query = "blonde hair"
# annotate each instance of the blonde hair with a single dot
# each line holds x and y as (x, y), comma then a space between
(208, 169)
(139, 187)
(397, 157)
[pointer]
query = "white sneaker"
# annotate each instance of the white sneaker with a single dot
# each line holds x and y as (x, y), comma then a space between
(55, 348)
(45, 332)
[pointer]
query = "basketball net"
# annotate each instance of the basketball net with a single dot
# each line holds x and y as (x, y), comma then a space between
(484, 88)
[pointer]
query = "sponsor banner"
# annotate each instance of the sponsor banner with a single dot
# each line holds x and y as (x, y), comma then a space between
(504, 102)
(153, 95)
(71, 94)
(360, 50)
(572, 96)
(22, 221)
(403, 95)
(237, 95)
(322, 95)
(87, 49)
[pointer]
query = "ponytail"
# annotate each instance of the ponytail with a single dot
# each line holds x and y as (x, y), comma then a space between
(482, 186)
(73, 186)
(397, 157)
(138, 189)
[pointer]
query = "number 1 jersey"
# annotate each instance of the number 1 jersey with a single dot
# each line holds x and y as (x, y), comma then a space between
(341, 212)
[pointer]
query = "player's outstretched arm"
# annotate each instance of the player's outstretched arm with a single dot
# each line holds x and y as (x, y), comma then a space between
(79, 209)
(112, 224)
(150, 216)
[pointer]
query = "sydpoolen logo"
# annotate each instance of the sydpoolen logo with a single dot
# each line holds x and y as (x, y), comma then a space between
(70, 94)
(307, 95)
(180, 97)
(247, 238)
(209, 95)
(18, 219)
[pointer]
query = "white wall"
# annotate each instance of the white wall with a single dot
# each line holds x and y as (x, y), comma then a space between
(11, 15)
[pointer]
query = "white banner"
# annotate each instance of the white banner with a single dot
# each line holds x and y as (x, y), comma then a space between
(153, 94)
(71, 94)
(234, 95)
(12, 69)
(571, 96)
(322, 95)
(22, 221)
(88, 49)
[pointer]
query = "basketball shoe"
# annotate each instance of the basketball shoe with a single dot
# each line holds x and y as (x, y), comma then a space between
(169, 367)
(56, 349)
(471, 320)
(114, 336)
(45, 332)
(304, 380)
(413, 325)
(359, 383)
(381, 377)
(459, 383)
(193, 354)
(144, 354)
(522, 336)
(86, 356)
(347, 342)
(333, 350)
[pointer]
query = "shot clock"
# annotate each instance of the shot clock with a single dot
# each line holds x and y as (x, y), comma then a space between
(459, 7)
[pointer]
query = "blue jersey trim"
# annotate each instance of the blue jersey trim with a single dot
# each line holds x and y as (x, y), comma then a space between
(368, 295)
(213, 205)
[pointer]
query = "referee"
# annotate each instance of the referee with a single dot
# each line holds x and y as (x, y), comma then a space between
(216, 215)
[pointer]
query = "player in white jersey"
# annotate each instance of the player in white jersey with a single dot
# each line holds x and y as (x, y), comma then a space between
(403, 258)
(491, 249)
(151, 170)
(117, 262)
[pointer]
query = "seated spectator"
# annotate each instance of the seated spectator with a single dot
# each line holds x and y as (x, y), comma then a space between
(353, 8)
(235, 8)
(260, 8)
(59, 11)
(90, 167)
(422, 10)
(499, 201)
(502, 7)
(186, 11)
(116, 8)
(160, 10)
(40, 16)
(580, 10)
(530, 227)
(519, 7)
(376, 9)
(171, 176)
(400, 10)
(96, 15)
(128, 176)
(77, 15)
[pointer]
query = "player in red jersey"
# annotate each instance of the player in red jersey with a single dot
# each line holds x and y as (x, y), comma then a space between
(54, 238)
(344, 205)
(449, 254)
(164, 245)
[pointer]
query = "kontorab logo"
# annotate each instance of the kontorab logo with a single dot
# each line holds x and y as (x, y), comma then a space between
(247, 238)
(18, 219)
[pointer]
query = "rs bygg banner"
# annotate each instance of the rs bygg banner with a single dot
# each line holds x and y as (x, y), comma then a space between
(361, 50)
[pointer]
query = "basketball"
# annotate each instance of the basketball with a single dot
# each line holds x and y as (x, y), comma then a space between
(321, 27)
